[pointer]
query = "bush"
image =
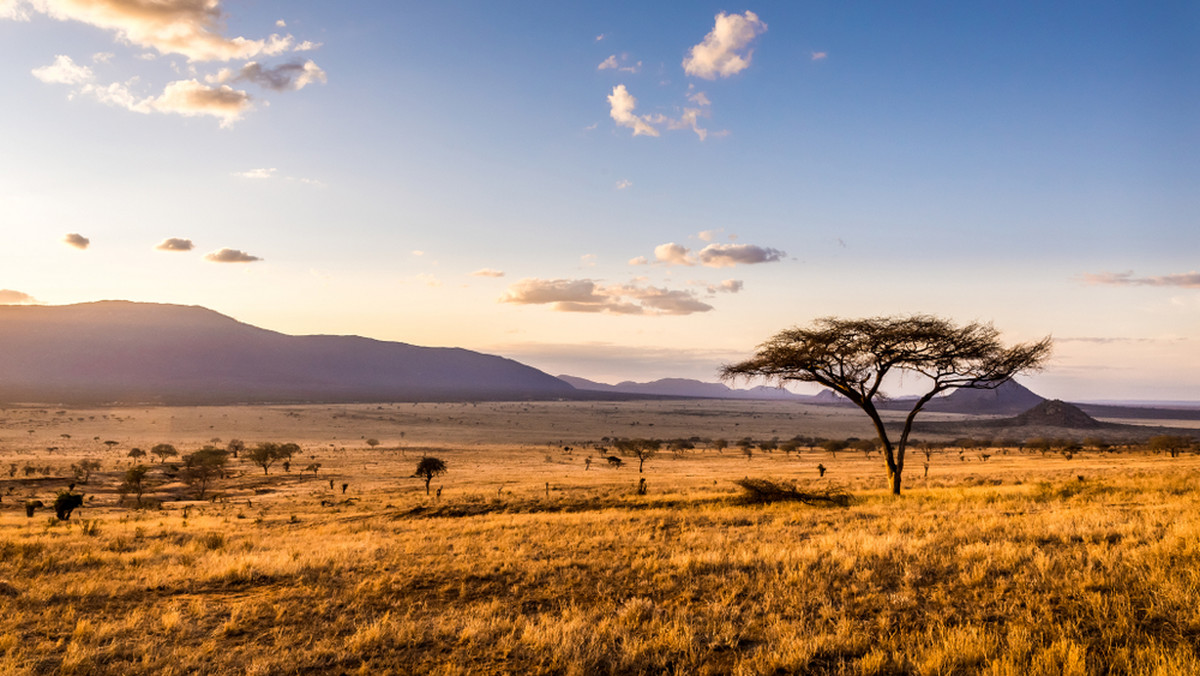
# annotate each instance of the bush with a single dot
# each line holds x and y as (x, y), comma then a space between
(765, 490)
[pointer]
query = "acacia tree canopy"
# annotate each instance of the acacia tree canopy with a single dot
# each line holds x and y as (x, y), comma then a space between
(853, 357)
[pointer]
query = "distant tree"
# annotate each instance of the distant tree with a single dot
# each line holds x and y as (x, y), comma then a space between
(720, 445)
(312, 467)
(235, 446)
(136, 453)
(642, 449)
(202, 467)
(268, 453)
(112, 444)
(852, 357)
(1169, 443)
(832, 446)
(372, 442)
(427, 468)
(84, 468)
(135, 482)
(164, 451)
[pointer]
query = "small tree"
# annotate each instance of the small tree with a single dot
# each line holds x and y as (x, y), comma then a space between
(84, 468)
(1169, 443)
(202, 467)
(235, 446)
(852, 357)
(164, 451)
(642, 449)
(267, 453)
(135, 482)
(428, 468)
(136, 453)
(372, 442)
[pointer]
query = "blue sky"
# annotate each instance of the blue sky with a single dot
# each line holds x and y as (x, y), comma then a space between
(468, 173)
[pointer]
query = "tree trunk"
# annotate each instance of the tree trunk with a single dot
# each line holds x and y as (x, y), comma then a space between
(894, 479)
(427, 480)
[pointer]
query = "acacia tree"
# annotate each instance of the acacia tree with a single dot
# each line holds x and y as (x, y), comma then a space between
(853, 356)
(428, 468)
(642, 449)
(201, 467)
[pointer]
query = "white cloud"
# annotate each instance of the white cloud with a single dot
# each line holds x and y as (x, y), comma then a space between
(709, 235)
(63, 71)
(699, 98)
(600, 37)
(819, 56)
(585, 295)
(308, 46)
(624, 183)
(13, 9)
(231, 256)
(588, 260)
(690, 120)
(281, 23)
(487, 272)
(10, 297)
(729, 255)
(191, 98)
(727, 286)
(103, 57)
(725, 50)
(609, 63)
(175, 244)
(77, 240)
(256, 173)
(639, 260)
(622, 104)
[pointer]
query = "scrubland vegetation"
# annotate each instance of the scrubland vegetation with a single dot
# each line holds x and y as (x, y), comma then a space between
(1070, 557)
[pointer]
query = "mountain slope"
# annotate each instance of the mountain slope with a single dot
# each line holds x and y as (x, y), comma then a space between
(123, 351)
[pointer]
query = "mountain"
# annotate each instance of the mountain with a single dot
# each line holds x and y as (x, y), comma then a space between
(684, 387)
(1009, 398)
(119, 351)
(1055, 413)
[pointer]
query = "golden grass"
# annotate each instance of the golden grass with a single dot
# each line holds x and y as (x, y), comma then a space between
(1017, 565)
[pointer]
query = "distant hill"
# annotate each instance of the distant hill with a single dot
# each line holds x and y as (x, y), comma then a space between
(1009, 398)
(685, 387)
(118, 351)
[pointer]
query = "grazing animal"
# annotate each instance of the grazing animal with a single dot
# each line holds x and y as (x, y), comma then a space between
(33, 506)
(614, 461)
(66, 503)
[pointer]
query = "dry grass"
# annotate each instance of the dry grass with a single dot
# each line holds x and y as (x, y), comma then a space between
(1018, 565)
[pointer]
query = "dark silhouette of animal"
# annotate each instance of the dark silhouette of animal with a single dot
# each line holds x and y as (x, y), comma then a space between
(66, 503)
(614, 461)
(33, 506)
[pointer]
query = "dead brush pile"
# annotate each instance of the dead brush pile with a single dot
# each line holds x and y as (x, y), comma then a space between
(762, 491)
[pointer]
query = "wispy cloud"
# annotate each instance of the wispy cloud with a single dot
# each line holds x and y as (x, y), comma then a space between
(819, 56)
(622, 64)
(622, 104)
(291, 76)
(585, 295)
(175, 244)
(10, 297)
(260, 173)
(727, 286)
(230, 256)
(1190, 280)
(725, 50)
(487, 272)
(624, 183)
(77, 240)
(63, 71)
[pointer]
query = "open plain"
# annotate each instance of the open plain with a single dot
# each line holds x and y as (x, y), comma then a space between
(534, 554)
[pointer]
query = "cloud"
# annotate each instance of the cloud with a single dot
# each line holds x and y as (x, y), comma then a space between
(725, 50)
(609, 63)
(190, 28)
(622, 104)
(727, 286)
(63, 71)
(77, 240)
(600, 37)
(191, 98)
(624, 183)
(690, 119)
(175, 244)
(729, 255)
(1188, 280)
(288, 76)
(588, 260)
(13, 9)
(672, 254)
(263, 172)
(715, 255)
(10, 297)
(585, 295)
(487, 272)
(639, 260)
(709, 235)
(230, 256)
(819, 56)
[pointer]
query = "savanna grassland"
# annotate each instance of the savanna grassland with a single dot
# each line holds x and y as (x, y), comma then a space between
(530, 561)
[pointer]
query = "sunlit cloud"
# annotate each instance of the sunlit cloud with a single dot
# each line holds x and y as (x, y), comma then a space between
(715, 255)
(63, 71)
(624, 183)
(77, 240)
(175, 244)
(1190, 280)
(487, 272)
(230, 256)
(10, 297)
(585, 295)
(725, 50)
(622, 64)
(190, 28)
(819, 56)
(294, 75)
(588, 260)
(609, 63)
(727, 286)
(709, 235)
(622, 104)
(639, 260)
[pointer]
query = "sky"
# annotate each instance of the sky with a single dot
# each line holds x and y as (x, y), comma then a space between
(619, 190)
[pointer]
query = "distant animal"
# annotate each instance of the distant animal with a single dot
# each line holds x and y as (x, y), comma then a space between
(33, 506)
(66, 503)
(614, 461)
